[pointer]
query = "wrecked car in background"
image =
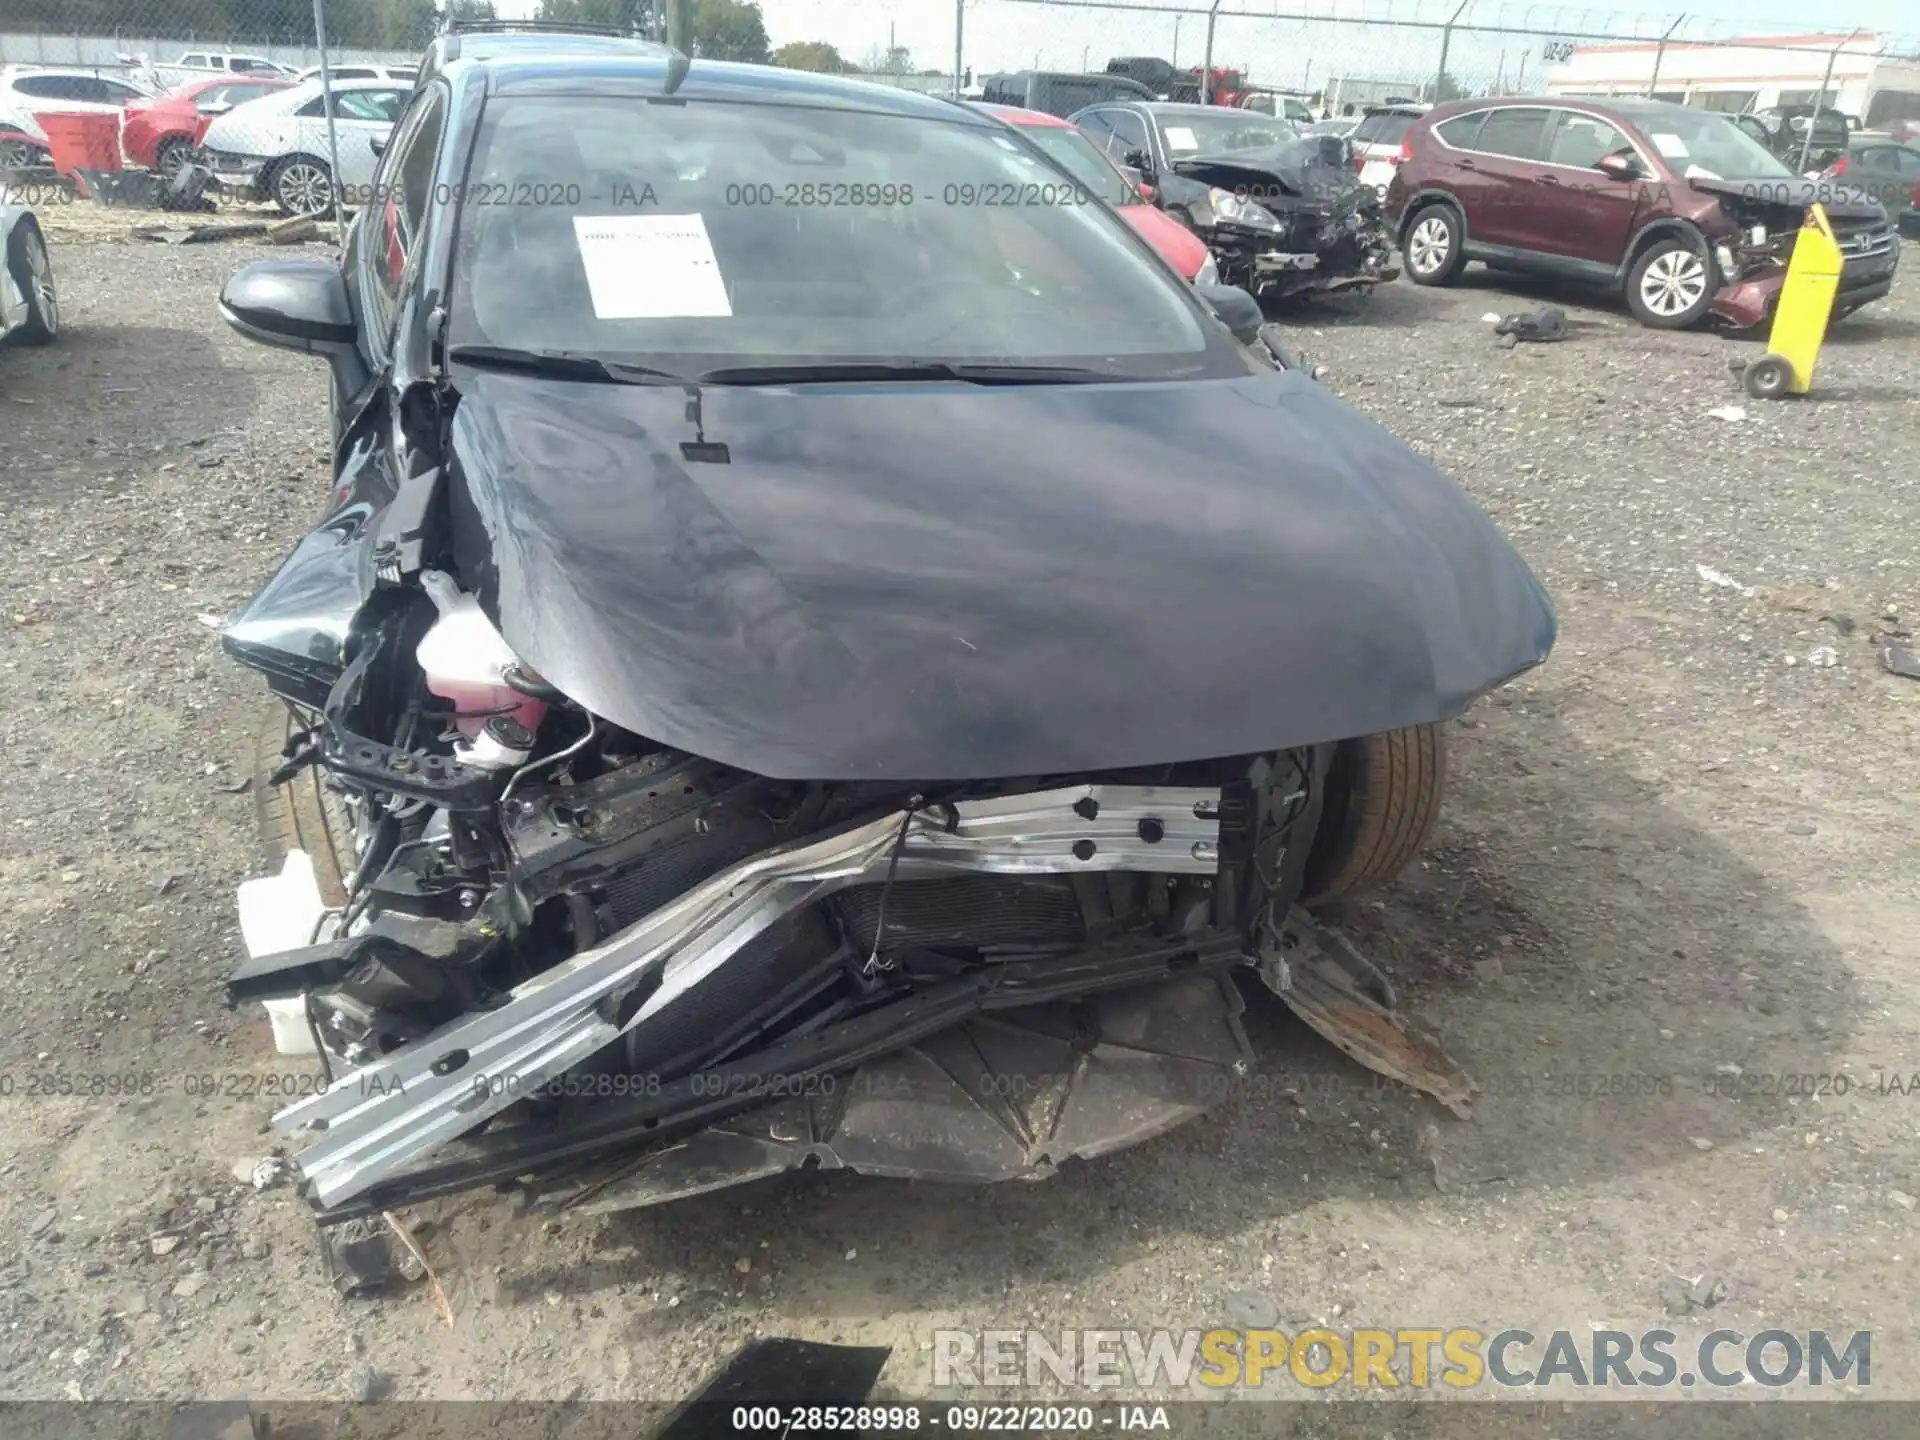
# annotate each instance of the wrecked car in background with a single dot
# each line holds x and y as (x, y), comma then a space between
(1678, 210)
(1284, 215)
(757, 699)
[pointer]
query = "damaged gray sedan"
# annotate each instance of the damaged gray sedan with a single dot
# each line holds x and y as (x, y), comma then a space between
(1284, 215)
(856, 689)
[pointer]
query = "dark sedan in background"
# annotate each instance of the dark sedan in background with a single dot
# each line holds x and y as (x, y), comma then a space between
(1283, 214)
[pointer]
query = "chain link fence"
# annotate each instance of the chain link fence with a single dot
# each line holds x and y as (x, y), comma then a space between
(211, 80)
(1352, 53)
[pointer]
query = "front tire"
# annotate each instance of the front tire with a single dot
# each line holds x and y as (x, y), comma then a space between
(33, 272)
(1671, 285)
(1435, 247)
(1383, 797)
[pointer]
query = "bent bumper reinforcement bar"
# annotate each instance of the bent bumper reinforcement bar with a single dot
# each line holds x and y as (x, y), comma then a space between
(375, 1120)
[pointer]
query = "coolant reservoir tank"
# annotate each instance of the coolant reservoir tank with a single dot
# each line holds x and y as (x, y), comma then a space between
(466, 659)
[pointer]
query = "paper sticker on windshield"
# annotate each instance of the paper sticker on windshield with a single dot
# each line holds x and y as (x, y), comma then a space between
(1671, 146)
(1179, 137)
(650, 267)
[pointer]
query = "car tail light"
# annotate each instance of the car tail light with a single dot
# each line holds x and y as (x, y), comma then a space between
(1406, 153)
(1359, 161)
(1838, 167)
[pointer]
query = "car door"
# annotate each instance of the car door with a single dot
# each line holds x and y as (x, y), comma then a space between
(1505, 194)
(360, 117)
(1577, 210)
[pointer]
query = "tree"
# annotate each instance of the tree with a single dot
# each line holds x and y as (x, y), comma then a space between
(812, 55)
(609, 14)
(469, 10)
(729, 30)
(888, 60)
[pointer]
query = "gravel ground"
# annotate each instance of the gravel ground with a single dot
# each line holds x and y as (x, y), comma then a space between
(1681, 847)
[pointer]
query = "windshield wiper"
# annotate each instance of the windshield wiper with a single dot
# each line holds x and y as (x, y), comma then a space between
(856, 371)
(563, 365)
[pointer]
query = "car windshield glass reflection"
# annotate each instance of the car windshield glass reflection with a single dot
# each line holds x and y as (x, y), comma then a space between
(723, 235)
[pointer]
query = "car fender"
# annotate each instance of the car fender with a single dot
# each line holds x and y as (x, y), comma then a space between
(1419, 199)
(1663, 228)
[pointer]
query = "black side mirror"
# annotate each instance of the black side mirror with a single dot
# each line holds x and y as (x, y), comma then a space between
(292, 304)
(1139, 161)
(298, 305)
(378, 143)
(1235, 308)
(1620, 167)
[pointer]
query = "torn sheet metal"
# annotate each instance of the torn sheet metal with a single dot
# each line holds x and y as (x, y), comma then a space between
(1001, 1097)
(1326, 983)
(374, 1120)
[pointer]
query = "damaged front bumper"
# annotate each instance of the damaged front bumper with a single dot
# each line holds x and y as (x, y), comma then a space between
(1317, 255)
(1753, 277)
(374, 1122)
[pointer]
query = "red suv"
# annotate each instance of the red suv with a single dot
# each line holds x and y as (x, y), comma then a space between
(1678, 209)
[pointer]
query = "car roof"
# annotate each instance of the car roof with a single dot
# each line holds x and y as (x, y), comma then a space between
(1626, 107)
(1397, 107)
(1180, 107)
(490, 44)
(1015, 115)
(544, 71)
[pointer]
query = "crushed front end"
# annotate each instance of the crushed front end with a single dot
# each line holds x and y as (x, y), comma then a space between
(1764, 222)
(619, 973)
(1286, 223)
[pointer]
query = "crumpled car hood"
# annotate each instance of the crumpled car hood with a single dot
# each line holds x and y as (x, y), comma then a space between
(1842, 202)
(1304, 168)
(949, 582)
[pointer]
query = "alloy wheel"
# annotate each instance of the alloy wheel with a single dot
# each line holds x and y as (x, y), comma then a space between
(1673, 283)
(15, 155)
(1429, 244)
(173, 158)
(304, 188)
(40, 282)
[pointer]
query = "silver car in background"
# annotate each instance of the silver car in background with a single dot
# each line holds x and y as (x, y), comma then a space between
(29, 305)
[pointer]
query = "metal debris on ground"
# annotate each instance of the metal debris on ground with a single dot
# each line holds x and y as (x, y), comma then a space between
(1824, 657)
(363, 1260)
(1327, 985)
(201, 234)
(1727, 412)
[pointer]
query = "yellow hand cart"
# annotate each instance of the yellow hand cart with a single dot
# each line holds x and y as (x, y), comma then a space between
(1800, 318)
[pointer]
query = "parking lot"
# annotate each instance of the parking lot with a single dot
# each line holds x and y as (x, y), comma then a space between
(1670, 922)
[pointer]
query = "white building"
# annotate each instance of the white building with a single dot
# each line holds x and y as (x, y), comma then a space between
(1752, 73)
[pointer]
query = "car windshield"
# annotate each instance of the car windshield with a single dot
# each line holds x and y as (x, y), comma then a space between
(1201, 131)
(1081, 158)
(709, 235)
(1712, 146)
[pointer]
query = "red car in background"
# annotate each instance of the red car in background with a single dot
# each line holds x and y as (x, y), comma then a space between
(162, 132)
(1082, 159)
